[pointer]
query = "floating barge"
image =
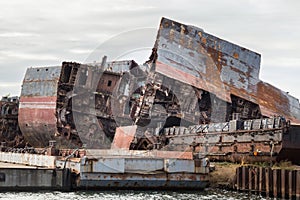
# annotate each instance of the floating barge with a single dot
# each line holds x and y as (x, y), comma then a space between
(104, 169)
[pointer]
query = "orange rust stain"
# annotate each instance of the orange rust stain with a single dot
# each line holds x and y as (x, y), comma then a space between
(190, 44)
(236, 55)
(272, 100)
(182, 31)
(242, 80)
(171, 36)
(237, 70)
(182, 40)
(166, 24)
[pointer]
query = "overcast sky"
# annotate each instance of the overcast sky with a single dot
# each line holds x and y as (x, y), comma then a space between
(45, 33)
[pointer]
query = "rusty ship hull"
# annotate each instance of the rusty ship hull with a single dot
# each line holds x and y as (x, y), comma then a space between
(216, 85)
(37, 119)
(228, 71)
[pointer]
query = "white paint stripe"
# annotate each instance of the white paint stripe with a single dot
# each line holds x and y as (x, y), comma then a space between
(37, 102)
(38, 105)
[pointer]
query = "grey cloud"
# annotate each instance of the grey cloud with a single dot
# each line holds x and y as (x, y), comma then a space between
(43, 33)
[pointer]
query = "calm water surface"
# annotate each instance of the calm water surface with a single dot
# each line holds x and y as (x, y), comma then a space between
(131, 194)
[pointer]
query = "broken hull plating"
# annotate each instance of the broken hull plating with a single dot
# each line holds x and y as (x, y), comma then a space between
(188, 54)
(37, 119)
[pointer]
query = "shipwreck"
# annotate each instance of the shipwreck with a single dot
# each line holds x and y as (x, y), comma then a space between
(196, 93)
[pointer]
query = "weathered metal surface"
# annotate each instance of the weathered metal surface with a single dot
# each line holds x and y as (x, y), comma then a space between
(10, 134)
(188, 54)
(131, 162)
(73, 164)
(126, 172)
(90, 153)
(22, 179)
(123, 137)
(174, 166)
(149, 181)
(109, 165)
(37, 108)
(28, 159)
(208, 87)
(250, 140)
(77, 103)
(93, 100)
(134, 171)
(291, 147)
(198, 78)
(144, 165)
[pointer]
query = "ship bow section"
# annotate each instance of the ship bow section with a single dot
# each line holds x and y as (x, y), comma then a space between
(37, 118)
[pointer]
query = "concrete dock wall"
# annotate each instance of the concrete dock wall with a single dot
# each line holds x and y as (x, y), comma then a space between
(28, 159)
(34, 179)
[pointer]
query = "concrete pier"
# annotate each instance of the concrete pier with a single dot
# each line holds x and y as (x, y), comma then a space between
(15, 177)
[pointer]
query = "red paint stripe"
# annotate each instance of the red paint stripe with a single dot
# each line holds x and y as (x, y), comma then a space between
(36, 116)
(38, 99)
